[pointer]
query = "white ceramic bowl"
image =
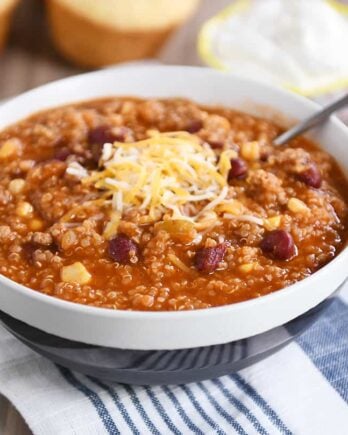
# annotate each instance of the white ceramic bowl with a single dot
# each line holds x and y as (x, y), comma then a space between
(185, 329)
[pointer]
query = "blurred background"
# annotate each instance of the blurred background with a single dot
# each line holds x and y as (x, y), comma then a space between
(299, 44)
(30, 57)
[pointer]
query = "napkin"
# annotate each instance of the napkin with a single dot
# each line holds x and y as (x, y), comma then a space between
(302, 389)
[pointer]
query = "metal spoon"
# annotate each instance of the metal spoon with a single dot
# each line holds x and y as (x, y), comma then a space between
(311, 122)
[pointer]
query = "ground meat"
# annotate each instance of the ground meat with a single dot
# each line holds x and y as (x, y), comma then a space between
(44, 239)
(245, 233)
(266, 188)
(216, 131)
(83, 238)
(42, 257)
(6, 234)
(5, 196)
(46, 173)
(291, 160)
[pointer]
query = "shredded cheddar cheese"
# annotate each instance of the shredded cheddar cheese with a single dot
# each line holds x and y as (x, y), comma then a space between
(178, 263)
(168, 175)
(160, 174)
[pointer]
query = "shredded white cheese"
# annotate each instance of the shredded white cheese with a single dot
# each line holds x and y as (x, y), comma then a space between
(77, 170)
(161, 174)
(172, 175)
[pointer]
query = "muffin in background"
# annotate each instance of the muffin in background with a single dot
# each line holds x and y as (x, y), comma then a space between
(94, 33)
(6, 10)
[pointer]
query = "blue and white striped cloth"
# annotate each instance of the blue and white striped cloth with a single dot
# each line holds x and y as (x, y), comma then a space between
(302, 389)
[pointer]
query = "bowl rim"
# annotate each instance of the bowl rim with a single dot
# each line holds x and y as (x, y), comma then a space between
(27, 292)
(182, 314)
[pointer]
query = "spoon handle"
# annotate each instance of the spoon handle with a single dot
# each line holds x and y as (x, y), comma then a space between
(312, 121)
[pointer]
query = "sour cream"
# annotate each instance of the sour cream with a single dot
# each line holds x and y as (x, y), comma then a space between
(299, 43)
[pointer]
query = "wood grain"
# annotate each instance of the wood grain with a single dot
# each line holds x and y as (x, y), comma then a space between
(11, 422)
(31, 60)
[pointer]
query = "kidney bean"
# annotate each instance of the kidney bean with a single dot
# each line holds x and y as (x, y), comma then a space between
(103, 134)
(194, 126)
(208, 259)
(28, 249)
(278, 244)
(216, 145)
(239, 169)
(62, 154)
(96, 150)
(97, 138)
(264, 156)
(311, 176)
(122, 248)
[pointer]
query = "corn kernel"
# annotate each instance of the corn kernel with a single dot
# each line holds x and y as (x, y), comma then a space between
(152, 132)
(36, 224)
(75, 273)
(233, 206)
(250, 150)
(25, 165)
(16, 186)
(24, 209)
(246, 267)
(297, 206)
(272, 223)
(111, 227)
(9, 148)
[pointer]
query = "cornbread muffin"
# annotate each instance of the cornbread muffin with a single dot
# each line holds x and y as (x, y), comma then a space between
(97, 33)
(6, 9)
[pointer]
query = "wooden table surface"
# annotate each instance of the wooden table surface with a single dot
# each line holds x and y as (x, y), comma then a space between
(30, 60)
